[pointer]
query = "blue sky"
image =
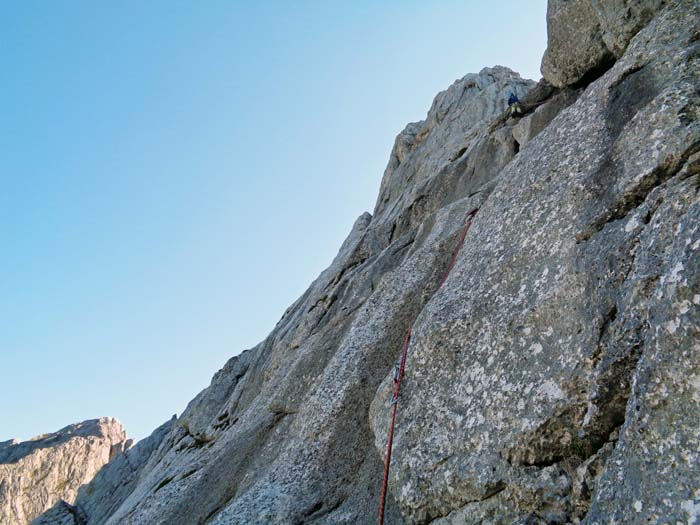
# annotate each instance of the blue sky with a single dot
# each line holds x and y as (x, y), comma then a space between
(174, 174)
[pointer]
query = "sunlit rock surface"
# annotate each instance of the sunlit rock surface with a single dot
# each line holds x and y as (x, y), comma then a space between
(35, 474)
(553, 379)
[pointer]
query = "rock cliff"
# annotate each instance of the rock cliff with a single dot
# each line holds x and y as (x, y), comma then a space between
(37, 473)
(553, 379)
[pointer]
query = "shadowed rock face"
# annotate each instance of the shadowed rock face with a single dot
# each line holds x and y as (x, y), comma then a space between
(552, 379)
(37, 473)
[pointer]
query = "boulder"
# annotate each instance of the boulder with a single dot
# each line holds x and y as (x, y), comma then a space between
(575, 43)
(584, 37)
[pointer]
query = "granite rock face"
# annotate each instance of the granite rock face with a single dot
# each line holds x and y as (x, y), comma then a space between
(585, 36)
(553, 378)
(575, 43)
(569, 324)
(37, 473)
(99, 498)
(282, 434)
(622, 19)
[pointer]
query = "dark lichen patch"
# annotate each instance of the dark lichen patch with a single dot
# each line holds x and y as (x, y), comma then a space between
(629, 94)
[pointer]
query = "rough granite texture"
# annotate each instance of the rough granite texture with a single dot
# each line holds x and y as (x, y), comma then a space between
(585, 36)
(98, 499)
(575, 43)
(37, 473)
(570, 314)
(553, 379)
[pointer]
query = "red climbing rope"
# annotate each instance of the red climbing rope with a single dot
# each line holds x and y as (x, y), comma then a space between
(394, 404)
(402, 367)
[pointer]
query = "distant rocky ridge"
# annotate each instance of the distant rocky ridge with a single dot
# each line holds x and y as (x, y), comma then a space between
(35, 474)
(553, 379)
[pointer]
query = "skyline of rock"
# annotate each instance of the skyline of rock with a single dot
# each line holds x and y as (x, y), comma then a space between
(553, 379)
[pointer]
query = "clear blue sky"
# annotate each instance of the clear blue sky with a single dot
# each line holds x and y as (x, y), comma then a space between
(174, 174)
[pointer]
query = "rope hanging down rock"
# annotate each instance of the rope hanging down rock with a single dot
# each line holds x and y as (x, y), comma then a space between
(399, 376)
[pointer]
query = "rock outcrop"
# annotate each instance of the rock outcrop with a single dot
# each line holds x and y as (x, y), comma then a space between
(113, 484)
(586, 36)
(552, 379)
(35, 474)
(575, 42)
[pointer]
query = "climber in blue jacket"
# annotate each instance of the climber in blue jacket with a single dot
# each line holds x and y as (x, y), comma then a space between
(514, 104)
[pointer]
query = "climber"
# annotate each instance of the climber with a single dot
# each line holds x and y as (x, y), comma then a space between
(514, 104)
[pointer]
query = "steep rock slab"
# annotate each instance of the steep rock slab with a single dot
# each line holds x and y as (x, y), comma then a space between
(282, 434)
(520, 378)
(654, 470)
(653, 474)
(568, 320)
(37, 473)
